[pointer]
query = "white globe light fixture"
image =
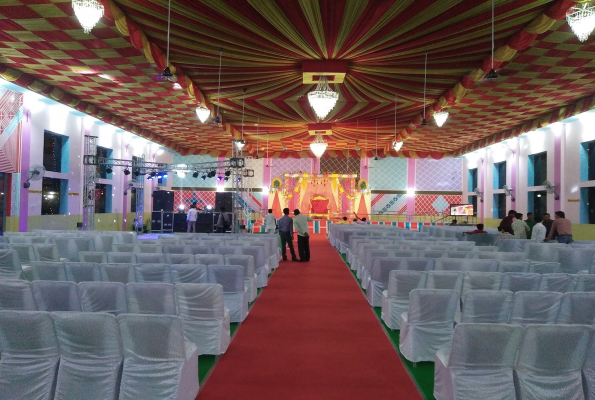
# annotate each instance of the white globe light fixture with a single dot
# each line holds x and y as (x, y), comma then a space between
(202, 113)
(323, 99)
(582, 20)
(88, 13)
(441, 117)
(240, 144)
(318, 146)
(397, 145)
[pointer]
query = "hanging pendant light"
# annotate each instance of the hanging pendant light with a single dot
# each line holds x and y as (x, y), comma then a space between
(167, 71)
(396, 145)
(323, 99)
(376, 143)
(582, 20)
(440, 117)
(217, 119)
(202, 113)
(492, 74)
(240, 142)
(318, 146)
(257, 136)
(423, 121)
(88, 12)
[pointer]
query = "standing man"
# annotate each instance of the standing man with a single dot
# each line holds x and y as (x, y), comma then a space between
(539, 232)
(531, 223)
(547, 222)
(223, 221)
(520, 227)
(286, 233)
(191, 218)
(301, 225)
(562, 227)
(506, 223)
(270, 222)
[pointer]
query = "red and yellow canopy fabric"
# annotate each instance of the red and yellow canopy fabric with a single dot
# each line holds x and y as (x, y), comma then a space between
(112, 73)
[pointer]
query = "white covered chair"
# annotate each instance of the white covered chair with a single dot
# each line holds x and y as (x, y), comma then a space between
(557, 283)
(485, 249)
(56, 296)
(109, 297)
(457, 254)
(544, 267)
(47, 252)
(173, 248)
(188, 273)
(585, 283)
(121, 258)
(431, 253)
(90, 356)
(30, 355)
(471, 369)
(125, 237)
(501, 256)
(158, 362)
(464, 265)
(209, 259)
(103, 242)
(150, 258)
(516, 282)
(513, 245)
(10, 265)
(122, 248)
(25, 252)
(250, 277)
(573, 260)
(369, 257)
(93, 256)
(445, 280)
(122, 273)
(18, 239)
(543, 252)
(151, 298)
(549, 362)
(395, 300)
(148, 248)
(206, 320)
(197, 249)
(589, 372)
(172, 258)
(487, 306)
(47, 271)
(152, 273)
(428, 323)
(82, 272)
(16, 295)
(577, 308)
(70, 248)
(481, 281)
(513, 266)
(228, 249)
(231, 277)
(261, 268)
(535, 308)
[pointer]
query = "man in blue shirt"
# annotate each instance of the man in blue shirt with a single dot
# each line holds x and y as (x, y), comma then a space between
(285, 224)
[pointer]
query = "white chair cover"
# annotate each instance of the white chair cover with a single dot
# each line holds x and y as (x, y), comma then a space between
(500, 256)
(482, 239)
(206, 320)
(231, 277)
(513, 266)
(47, 252)
(395, 300)
(261, 268)
(445, 280)
(148, 248)
(544, 267)
(16, 295)
(487, 306)
(228, 249)
(428, 323)
(103, 242)
(209, 259)
(577, 308)
(25, 252)
(457, 254)
(543, 252)
(93, 256)
(513, 245)
(19, 239)
(122, 273)
(431, 253)
(549, 362)
(458, 264)
(471, 369)
(172, 258)
(195, 249)
(10, 265)
(152, 273)
(585, 283)
(573, 260)
(173, 249)
(557, 283)
(150, 258)
(589, 372)
(369, 256)
(481, 281)
(121, 258)
(90, 356)
(516, 282)
(70, 248)
(82, 272)
(145, 242)
(168, 370)
(30, 355)
(47, 271)
(56, 296)
(122, 248)
(535, 308)
(250, 277)
(151, 298)
(109, 297)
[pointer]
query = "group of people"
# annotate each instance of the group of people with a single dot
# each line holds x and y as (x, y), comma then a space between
(223, 222)
(536, 228)
(286, 225)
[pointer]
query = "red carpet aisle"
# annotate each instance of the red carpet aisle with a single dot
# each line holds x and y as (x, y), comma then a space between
(311, 335)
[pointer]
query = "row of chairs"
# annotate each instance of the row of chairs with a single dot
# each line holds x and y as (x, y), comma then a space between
(494, 361)
(202, 306)
(428, 322)
(66, 355)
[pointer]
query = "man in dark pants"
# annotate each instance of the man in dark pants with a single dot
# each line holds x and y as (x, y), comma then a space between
(301, 226)
(285, 224)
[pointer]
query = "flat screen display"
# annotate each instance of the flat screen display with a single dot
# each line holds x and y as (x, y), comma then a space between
(461, 210)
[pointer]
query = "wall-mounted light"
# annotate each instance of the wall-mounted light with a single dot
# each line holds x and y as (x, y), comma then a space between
(410, 192)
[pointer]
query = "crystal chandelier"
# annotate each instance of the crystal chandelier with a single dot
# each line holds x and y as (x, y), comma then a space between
(323, 99)
(582, 20)
(397, 145)
(240, 144)
(318, 146)
(202, 113)
(441, 117)
(88, 13)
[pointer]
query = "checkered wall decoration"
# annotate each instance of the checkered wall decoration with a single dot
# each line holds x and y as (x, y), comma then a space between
(393, 204)
(283, 165)
(388, 174)
(340, 165)
(188, 180)
(187, 197)
(432, 204)
(444, 174)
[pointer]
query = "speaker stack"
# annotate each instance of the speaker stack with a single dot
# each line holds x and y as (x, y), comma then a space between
(162, 216)
(223, 199)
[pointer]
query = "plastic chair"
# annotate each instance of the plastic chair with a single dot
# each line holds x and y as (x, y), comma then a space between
(445, 280)
(209, 259)
(82, 272)
(47, 252)
(250, 276)
(56, 296)
(151, 298)
(577, 308)
(148, 248)
(150, 258)
(152, 273)
(121, 258)
(122, 248)
(557, 283)
(25, 252)
(520, 282)
(544, 267)
(109, 297)
(535, 308)
(122, 273)
(589, 372)
(486, 306)
(585, 283)
(16, 295)
(188, 273)
(481, 281)
(10, 265)
(179, 258)
(543, 252)
(93, 256)
(231, 277)
(513, 266)
(47, 271)
(395, 300)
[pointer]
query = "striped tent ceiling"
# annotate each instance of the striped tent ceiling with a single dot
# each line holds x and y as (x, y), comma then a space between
(546, 74)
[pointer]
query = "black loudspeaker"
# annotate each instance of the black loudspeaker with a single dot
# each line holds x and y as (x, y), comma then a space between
(168, 221)
(156, 221)
(163, 200)
(223, 199)
(180, 222)
(204, 223)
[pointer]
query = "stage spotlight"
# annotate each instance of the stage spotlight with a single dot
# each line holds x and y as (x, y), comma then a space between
(136, 172)
(219, 178)
(212, 174)
(209, 208)
(181, 207)
(108, 170)
(126, 172)
(149, 177)
(239, 180)
(165, 174)
(203, 177)
(195, 174)
(227, 173)
(226, 179)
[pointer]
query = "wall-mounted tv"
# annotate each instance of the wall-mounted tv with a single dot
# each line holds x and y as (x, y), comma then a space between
(462, 210)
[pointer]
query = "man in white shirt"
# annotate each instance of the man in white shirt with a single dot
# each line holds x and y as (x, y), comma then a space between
(300, 223)
(191, 218)
(539, 230)
(270, 222)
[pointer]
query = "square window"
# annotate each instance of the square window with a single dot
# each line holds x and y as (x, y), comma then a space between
(537, 203)
(55, 152)
(537, 169)
(588, 161)
(587, 202)
(499, 175)
(473, 200)
(499, 205)
(54, 196)
(103, 198)
(472, 180)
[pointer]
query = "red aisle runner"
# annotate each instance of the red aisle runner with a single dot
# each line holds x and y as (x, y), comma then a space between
(311, 335)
